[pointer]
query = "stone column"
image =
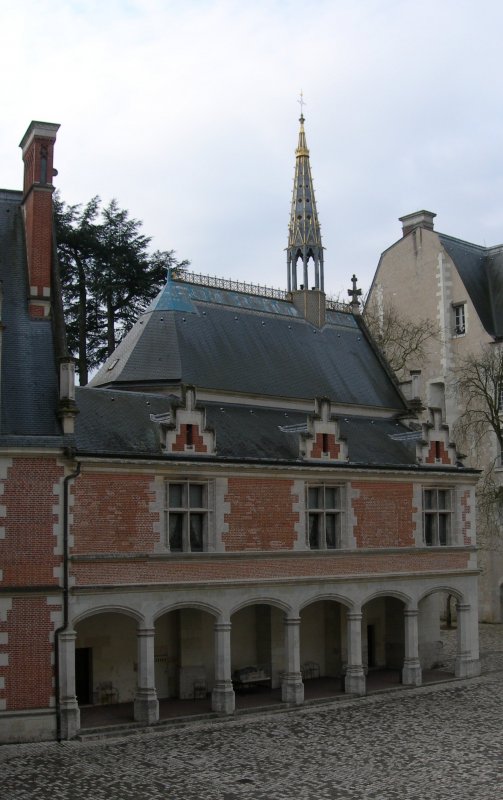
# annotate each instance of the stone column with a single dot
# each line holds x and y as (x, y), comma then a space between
(68, 705)
(411, 670)
(222, 696)
(292, 687)
(467, 658)
(146, 704)
(355, 677)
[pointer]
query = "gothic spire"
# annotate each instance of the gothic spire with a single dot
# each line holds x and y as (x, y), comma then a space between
(304, 236)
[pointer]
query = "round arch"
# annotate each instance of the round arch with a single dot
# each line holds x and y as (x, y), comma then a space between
(262, 601)
(188, 604)
(443, 588)
(108, 609)
(329, 597)
(397, 595)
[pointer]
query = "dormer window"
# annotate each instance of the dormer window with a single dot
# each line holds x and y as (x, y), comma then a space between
(459, 319)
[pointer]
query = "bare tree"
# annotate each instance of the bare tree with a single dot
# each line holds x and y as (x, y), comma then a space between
(478, 384)
(400, 338)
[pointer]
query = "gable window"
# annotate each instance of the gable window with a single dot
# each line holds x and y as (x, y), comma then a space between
(324, 516)
(459, 312)
(186, 514)
(437, 514)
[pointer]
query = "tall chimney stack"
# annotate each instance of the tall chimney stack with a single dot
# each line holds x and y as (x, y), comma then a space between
(38, 151)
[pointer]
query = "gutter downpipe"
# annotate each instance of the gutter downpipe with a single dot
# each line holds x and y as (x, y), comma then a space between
(66, 593)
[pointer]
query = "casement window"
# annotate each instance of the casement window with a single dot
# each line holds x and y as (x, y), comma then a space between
(186, 513)
(324, 503)
(437, 516)
(459, 319)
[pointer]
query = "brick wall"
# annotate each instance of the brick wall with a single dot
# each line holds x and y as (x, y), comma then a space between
(383, 514)
(204, 570)
(111, 514)
(29, 671)
(261, 515)
(27, 550)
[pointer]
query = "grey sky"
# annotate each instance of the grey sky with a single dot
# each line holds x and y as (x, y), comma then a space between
(187, 112)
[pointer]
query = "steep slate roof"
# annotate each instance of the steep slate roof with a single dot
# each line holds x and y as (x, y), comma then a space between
(121, 423)
(481, 270)
(29, 386)
(244, 344)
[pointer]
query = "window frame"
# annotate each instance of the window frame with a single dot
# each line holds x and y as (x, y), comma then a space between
(459, 325)
(438, 517)
(183, 512)
(323, 512)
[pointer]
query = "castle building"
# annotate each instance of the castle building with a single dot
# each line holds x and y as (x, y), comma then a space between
(236, 499)
(458, 286)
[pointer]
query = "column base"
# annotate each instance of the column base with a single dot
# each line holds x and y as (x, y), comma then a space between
(466, 667)
(146, 706)
(292, 689)
(223, 699)
(70, 719)
(412, 674)
(355, 681)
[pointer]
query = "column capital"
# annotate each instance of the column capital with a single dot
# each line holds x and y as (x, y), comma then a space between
(145, 631)
(463, 607)
(410, 612)
(354, 616)
(292, 620)
(223, 626)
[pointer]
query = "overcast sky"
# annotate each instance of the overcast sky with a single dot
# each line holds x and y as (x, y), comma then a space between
(187, 113)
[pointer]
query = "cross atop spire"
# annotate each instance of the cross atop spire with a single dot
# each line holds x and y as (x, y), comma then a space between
(304, 236)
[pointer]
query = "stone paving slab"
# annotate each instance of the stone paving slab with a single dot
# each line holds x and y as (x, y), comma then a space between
(440, 742)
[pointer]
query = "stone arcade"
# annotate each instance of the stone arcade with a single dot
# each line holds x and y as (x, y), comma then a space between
(236, 498)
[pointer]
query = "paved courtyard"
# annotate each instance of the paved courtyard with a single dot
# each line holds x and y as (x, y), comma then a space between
(437, 742)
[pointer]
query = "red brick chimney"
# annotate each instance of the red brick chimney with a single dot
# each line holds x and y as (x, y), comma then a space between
(38, 150)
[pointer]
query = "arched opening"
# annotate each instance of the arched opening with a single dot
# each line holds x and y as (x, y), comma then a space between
(184, 661)
(323, 648)
(383, 641)
(106, 664)
(257, 654)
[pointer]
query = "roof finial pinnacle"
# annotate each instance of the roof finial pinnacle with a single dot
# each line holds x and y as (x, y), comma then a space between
(302, 103)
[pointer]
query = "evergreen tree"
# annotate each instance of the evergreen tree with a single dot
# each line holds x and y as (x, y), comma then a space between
(108, 276)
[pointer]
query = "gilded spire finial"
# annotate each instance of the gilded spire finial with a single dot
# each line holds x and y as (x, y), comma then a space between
(302, 103)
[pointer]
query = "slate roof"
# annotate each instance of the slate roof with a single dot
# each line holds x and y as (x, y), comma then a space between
(29, 387)
(481, 270)
(120, 423)
(242, 344)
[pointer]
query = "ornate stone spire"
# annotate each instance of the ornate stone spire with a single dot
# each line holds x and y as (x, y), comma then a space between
(304, 236)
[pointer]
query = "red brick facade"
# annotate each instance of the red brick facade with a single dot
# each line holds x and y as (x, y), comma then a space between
(111, 514)
(261, 514)
(329, 564)
(29, 673)
(27, 554)
(383, 513)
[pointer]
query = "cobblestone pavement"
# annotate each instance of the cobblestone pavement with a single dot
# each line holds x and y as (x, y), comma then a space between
(438, 742)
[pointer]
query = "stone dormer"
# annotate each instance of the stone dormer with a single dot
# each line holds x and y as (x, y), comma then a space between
(434, 448)
(323, 441)
(186, 431)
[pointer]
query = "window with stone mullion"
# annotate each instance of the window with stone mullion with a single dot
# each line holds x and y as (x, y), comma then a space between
(187, 511)
(437, 512)
(324, 517)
